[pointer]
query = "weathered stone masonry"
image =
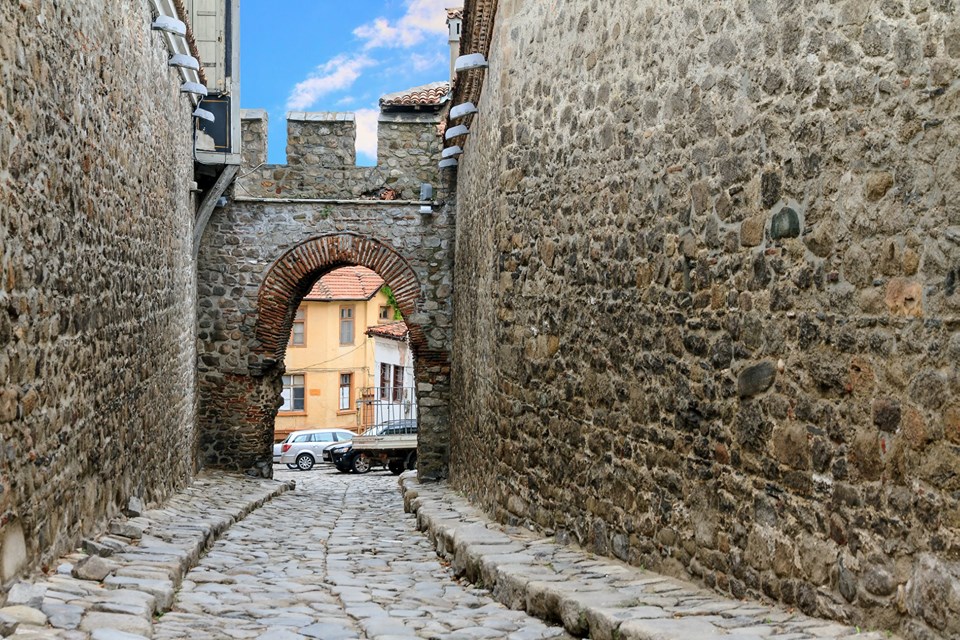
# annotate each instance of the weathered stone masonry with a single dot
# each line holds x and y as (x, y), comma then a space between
(707, 293)
(260, 257)
(97, 290)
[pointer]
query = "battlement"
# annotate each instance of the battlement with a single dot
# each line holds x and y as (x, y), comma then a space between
(321, 156)
(325, 138)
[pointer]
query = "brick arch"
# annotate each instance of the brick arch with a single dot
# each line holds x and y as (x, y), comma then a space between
(290, 278)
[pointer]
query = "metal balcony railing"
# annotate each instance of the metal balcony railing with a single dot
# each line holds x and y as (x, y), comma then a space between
(377, 405)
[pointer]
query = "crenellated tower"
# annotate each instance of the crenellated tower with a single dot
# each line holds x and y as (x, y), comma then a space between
(321, 151)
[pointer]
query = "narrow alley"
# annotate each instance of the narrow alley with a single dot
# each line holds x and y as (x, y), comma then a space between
(335, 559)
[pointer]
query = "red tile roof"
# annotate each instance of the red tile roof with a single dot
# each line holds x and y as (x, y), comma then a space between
(428, 95)
(346, 283)
(393, 330)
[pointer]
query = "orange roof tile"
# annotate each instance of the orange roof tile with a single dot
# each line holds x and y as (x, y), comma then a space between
(393, 330)
(428, 95)
(346, 283)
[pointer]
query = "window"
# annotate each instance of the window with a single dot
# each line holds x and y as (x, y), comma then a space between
(385, 384)
(346, 325)
(292, 393)
(298, 333)
(397, 383)
(346, 391)
(386, 312)
(323, 437)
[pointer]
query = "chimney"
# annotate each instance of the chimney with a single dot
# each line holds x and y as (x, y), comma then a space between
(454, 20)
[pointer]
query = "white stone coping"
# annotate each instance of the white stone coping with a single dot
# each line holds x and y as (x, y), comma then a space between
(596, 597)
(253, 114)
(322, 116)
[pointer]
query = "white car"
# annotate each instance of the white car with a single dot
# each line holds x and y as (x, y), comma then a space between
(302, 449)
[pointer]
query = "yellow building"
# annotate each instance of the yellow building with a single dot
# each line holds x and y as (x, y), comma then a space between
(330, 358)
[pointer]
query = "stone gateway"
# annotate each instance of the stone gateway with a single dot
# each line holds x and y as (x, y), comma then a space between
(261, 254)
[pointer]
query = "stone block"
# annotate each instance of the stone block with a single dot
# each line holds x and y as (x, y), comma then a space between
(13, 554)
(886, 414)
(27, 594)
(134, 507)
(751, 231)
(785, 224)
(756, 379)
(877, 185)
(63, 616)
(904, 298)
(8, 625)
(94, 548)
(161, 590)
(97, 620)
(93, 568)
(24, 614)
(126, 529)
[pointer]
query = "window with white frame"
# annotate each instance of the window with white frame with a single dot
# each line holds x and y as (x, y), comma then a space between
(346, 325)
(346, 391)
(298, 332)
(292, 394)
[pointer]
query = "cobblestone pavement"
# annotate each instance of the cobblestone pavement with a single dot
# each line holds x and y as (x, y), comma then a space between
(340, 558)
(113, 587)
(337, 558)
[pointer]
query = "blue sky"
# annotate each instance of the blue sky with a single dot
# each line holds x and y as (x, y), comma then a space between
(331, 55)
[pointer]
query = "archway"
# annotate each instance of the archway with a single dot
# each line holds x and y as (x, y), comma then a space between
(294, 273)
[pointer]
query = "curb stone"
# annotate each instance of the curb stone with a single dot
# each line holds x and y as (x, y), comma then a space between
(592, 596)
(149, 556)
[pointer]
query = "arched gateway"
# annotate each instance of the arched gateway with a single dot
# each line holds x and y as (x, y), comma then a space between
(291, 277)
(287, 225)
(257, 262)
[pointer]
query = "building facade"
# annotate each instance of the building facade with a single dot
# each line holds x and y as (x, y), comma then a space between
(393, 395)
(330, 356)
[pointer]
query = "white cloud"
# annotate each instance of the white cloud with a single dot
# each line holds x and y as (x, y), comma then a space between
(423, 18)
(337, 74)
(425, 63)
(346, 100)
(367, 132)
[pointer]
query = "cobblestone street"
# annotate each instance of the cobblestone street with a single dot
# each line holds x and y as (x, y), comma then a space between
(335, 559)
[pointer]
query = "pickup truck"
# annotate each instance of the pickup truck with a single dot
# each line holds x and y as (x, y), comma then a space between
(392, 444)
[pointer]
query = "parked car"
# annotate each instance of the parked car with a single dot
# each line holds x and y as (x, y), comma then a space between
(336, 453)
(277, 452)
(392, 444)
(326, 456)
(301, 449)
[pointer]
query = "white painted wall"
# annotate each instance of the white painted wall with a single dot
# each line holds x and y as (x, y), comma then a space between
(394, 353)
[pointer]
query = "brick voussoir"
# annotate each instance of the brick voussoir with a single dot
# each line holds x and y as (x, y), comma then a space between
(593, 596)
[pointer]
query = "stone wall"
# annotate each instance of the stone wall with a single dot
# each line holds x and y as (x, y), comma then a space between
(97, 287)
(321, 157)
(708, 258)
